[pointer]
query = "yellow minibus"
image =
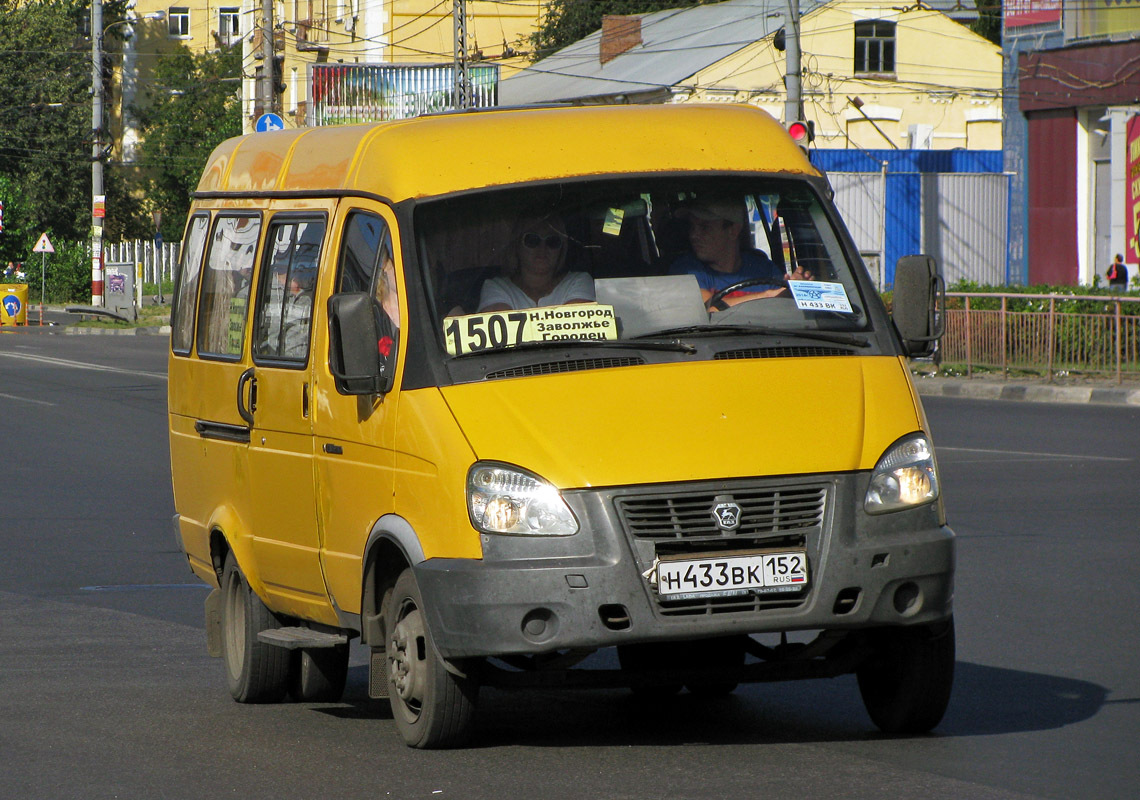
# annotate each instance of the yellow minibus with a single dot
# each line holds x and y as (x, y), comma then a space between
(552, 397)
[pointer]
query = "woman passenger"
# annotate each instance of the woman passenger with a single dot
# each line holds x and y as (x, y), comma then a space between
(537, 270)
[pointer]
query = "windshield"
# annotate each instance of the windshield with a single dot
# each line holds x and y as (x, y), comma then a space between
(624, 261)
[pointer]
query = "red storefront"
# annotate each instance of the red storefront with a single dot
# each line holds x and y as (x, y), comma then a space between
(1066, 96)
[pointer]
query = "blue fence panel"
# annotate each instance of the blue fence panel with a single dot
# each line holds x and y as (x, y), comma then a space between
(908, 160)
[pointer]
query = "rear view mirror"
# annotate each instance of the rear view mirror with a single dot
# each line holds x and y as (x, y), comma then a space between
(919, 304)
(354, 357)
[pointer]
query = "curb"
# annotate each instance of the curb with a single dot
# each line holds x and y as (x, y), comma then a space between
(161, 330)
(1028, 392)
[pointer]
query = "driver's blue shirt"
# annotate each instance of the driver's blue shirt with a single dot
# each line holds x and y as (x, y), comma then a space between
(754, 265)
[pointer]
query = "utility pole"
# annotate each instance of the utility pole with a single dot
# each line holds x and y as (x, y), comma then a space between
(793, 101)
(268, 93)
(97, 197)
(461, 93)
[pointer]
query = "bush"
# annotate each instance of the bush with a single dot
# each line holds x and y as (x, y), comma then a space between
(1084, 299)
(65, 275)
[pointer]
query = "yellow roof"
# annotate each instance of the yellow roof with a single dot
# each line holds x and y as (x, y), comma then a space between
(429, 156)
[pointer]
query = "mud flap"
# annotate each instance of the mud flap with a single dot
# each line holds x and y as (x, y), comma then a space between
(378, 674)
(214, 623)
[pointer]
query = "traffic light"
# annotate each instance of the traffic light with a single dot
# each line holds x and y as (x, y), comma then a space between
(1, 216)
(278, 75)
(802, 132)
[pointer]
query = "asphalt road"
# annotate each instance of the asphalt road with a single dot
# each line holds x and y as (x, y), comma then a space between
(106, 689)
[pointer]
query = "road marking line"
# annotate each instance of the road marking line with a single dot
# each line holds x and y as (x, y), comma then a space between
(1026, 453)
(63, 362)
(26, 399)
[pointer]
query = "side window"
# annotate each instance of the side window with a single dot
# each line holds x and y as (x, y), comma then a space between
(187, 292)
(288, 281)
(367, 265)
(362, 235)
(222, 310)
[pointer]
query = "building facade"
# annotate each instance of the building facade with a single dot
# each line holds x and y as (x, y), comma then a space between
(1072, 137)
(873, 75)
(308, 32)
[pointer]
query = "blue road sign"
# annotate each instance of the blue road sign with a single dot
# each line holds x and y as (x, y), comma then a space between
(11, 305)
(270, 122)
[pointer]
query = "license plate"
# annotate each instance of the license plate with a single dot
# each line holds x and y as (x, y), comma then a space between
(718, 576)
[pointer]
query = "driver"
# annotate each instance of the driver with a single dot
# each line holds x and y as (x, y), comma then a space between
(718, 261)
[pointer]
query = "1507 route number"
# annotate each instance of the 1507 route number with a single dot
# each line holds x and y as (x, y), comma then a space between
(483, 331)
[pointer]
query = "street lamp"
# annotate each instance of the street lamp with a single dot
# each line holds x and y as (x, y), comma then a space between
(98, 199)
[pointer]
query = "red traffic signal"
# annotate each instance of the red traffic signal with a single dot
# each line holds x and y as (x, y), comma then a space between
(802, 133)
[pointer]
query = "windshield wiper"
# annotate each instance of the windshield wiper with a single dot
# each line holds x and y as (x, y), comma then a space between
(835, 337)
(639, 344)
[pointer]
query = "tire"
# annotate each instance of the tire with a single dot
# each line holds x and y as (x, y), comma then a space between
(318, 675)
(906, 683)
(432, 706)
(726, 654)
(255, 672)
(635, 658)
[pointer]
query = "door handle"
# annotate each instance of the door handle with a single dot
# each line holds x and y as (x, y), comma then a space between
(246, 411)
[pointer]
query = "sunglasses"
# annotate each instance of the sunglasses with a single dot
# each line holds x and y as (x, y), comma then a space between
(533, 240)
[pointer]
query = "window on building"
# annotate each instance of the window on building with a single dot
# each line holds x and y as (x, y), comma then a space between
(229, 27)
(179, 21)
(875, 46)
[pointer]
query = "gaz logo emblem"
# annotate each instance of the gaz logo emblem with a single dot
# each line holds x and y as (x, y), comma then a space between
(726, 516)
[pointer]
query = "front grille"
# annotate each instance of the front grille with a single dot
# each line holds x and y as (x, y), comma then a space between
(783, 352)
(682, 522)
(552, 367)
(688, 516)
(727, 605)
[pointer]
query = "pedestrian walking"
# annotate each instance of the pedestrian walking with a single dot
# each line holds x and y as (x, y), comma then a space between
(1117, 274)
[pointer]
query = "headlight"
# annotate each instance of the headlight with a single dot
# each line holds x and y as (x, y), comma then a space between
(504, 499)
(904, 477)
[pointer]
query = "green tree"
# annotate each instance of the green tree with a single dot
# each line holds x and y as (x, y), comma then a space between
(45, 139)
(988, 23)
(567, 21)
(193, 105)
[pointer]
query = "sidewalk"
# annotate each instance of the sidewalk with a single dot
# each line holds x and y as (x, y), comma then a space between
(982, 386)
(985, 387)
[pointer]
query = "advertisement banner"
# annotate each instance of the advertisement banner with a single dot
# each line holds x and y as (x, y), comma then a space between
(1031, 12)
(1132, 192)
(1106, 17)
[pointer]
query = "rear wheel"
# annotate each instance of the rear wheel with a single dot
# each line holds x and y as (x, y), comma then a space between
(717, 654)
(255, 672)
(641, 660)
(432, 706)
(318, 675)
(906, 683)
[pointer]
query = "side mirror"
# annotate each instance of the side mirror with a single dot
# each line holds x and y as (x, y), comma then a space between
(354, 357)
(919, 304)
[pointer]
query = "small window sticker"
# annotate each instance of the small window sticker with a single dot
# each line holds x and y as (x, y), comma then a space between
(614, 219)
(820, 296)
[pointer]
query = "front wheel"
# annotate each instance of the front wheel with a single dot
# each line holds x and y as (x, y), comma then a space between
(318, 675)
(906, 683)
(433, 707)
(255, 672)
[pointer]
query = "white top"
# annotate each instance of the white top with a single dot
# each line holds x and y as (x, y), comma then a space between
(501, 290)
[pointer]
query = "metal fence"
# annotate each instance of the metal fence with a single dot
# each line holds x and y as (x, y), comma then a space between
(159, 260)
(344, 94)
(960, 219)
(1051, 339)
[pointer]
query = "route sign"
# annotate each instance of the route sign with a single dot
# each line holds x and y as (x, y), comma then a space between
(269, 122)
